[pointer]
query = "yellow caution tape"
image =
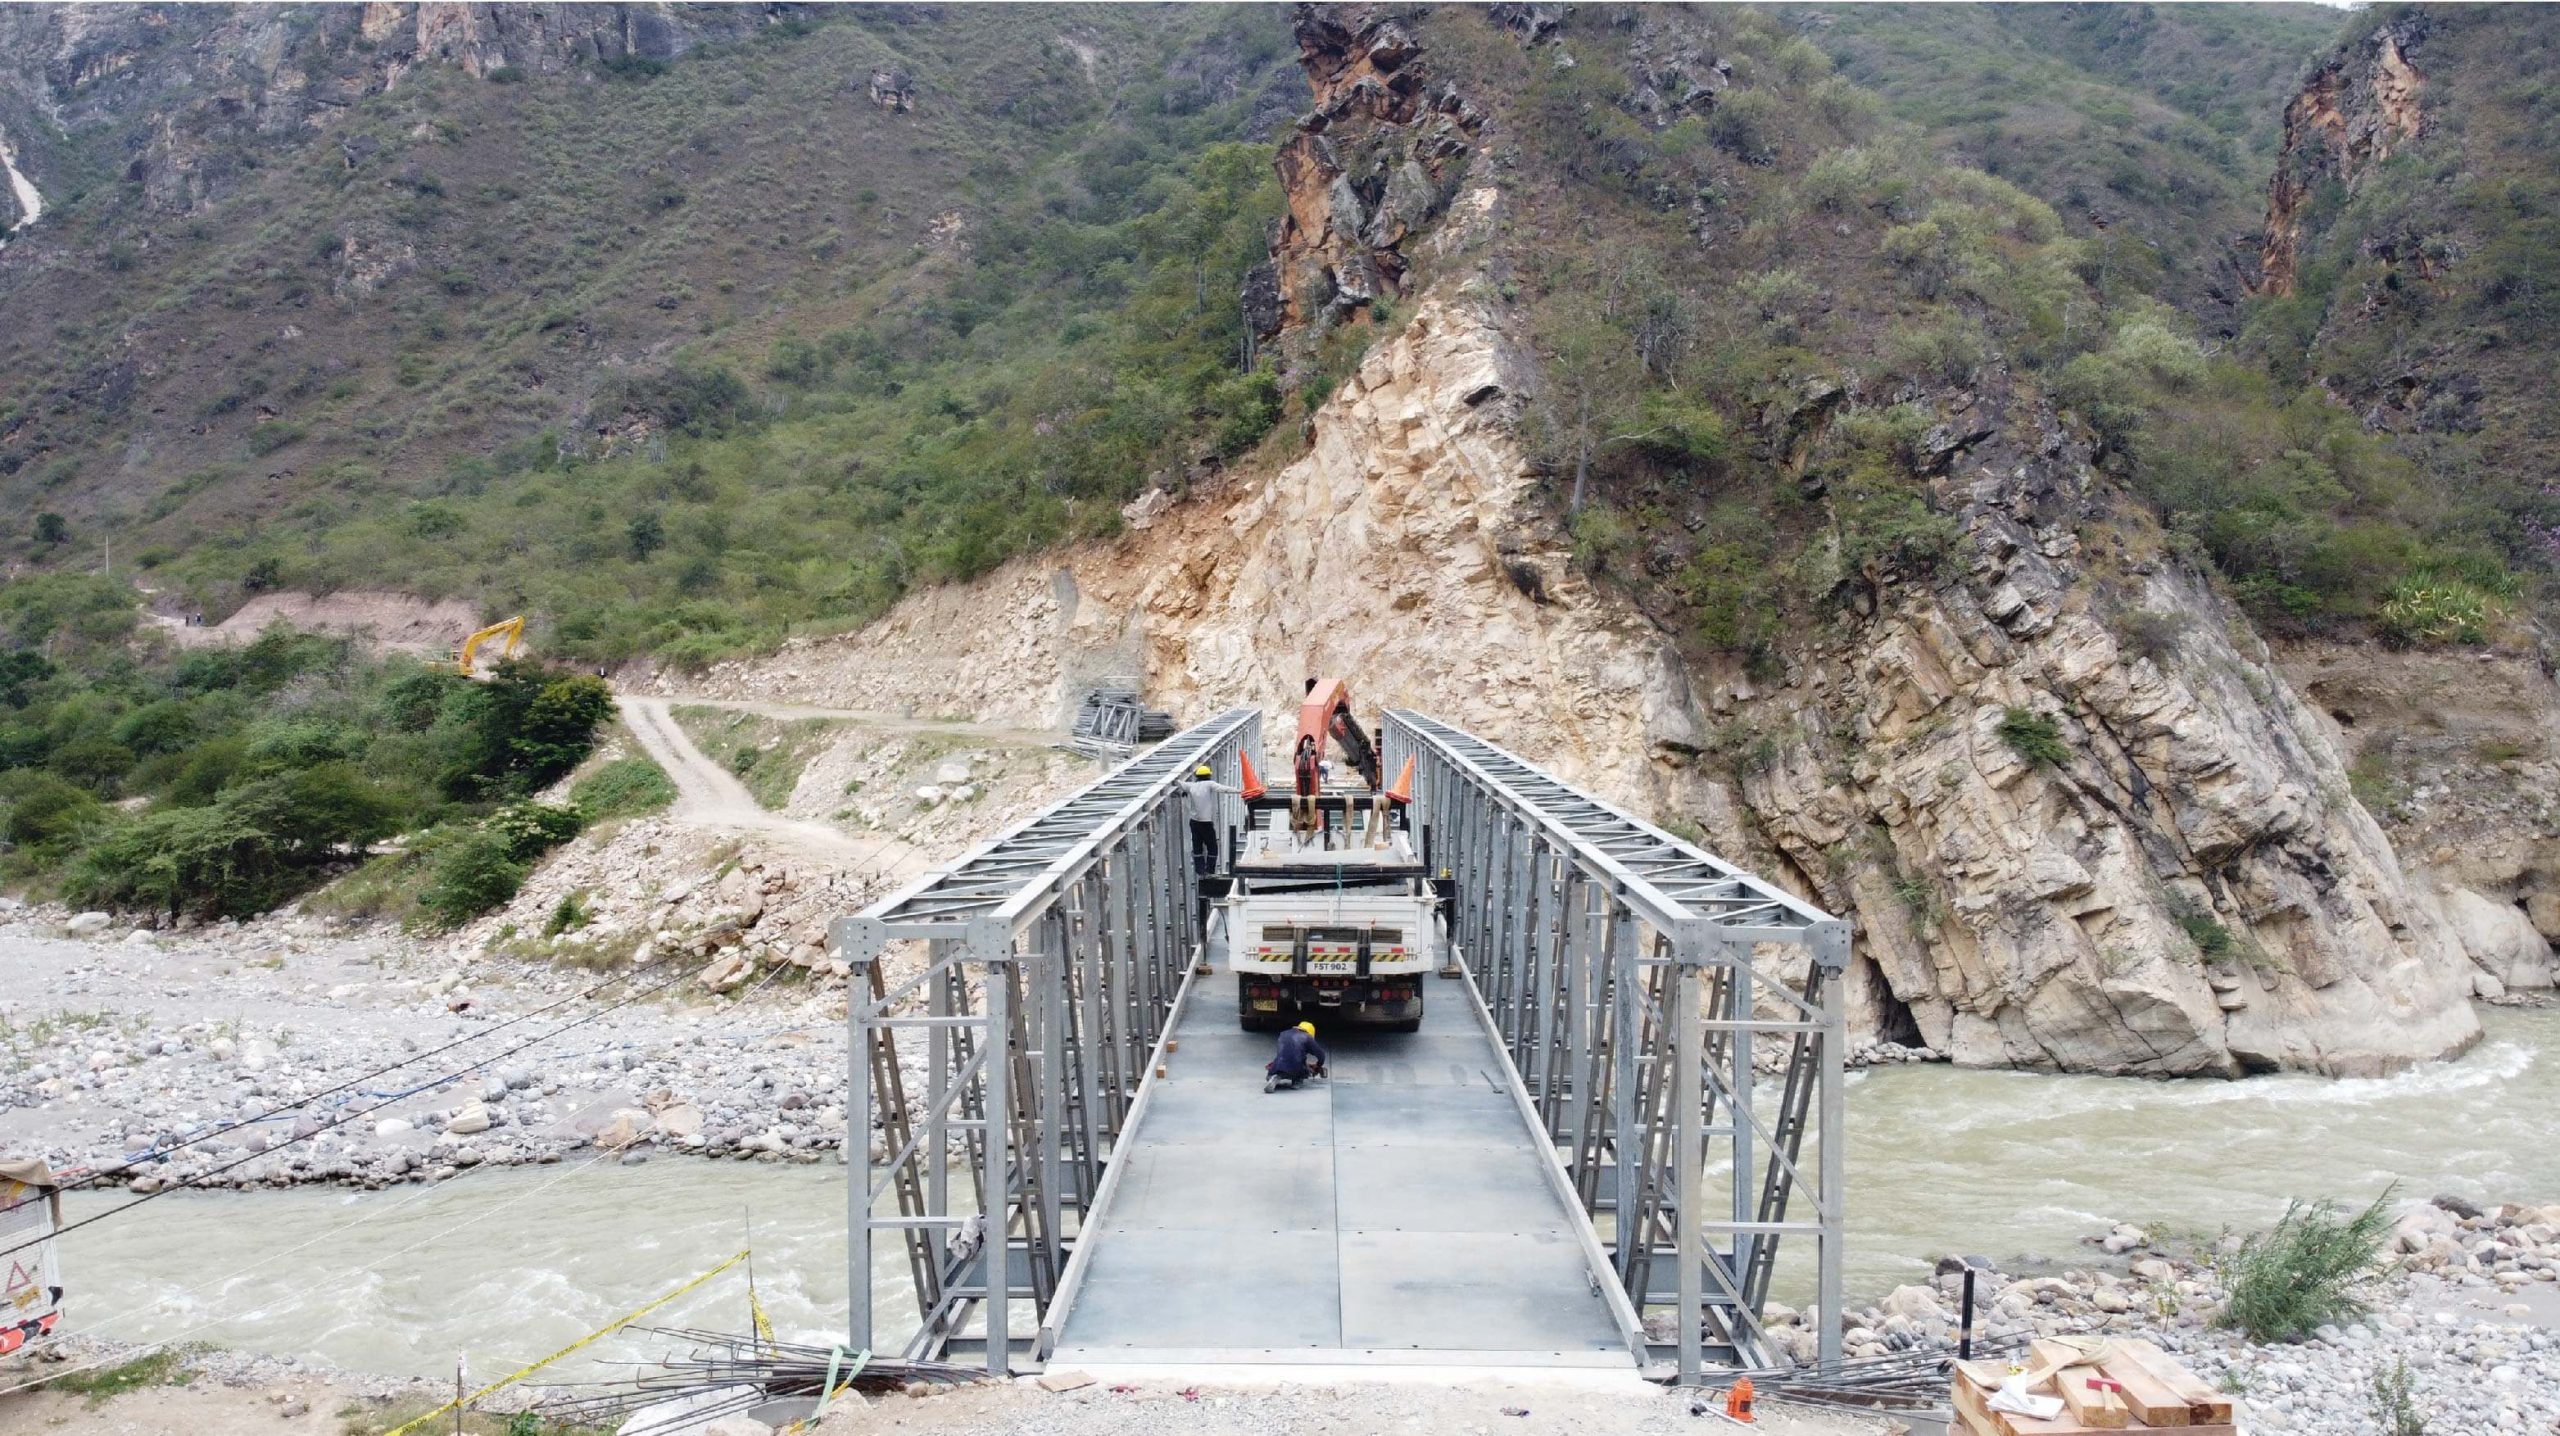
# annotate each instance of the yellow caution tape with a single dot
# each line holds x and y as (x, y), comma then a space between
(755, 1307)
(599, 1333)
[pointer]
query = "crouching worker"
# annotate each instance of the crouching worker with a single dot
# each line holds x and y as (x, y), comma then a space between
(1300, 1057)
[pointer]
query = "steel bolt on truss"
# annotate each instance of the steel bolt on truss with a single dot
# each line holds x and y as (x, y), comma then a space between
(1053, 958)
(1621, 969)
(1618, 966)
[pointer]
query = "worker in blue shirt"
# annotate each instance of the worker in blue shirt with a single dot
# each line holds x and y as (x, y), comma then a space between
(1300, 1057)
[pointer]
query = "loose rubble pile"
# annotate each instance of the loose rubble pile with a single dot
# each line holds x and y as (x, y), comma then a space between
(658, 888)
(2471, 1303)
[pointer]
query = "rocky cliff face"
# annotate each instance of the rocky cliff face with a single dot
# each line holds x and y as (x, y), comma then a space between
(2182, 882)
(189, 89)
(2457, 753)
(2355, 110)
(1372, 163)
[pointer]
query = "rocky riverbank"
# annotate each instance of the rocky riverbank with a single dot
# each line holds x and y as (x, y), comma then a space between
(2468, 1304)
(123, 1044)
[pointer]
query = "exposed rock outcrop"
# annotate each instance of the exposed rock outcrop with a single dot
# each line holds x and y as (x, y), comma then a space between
(2179, 881)
(1372, 163)
(267, 70)
(2457, 752)
(2360, 106)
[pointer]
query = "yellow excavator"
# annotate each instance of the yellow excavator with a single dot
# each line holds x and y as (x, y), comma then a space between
(512, 628)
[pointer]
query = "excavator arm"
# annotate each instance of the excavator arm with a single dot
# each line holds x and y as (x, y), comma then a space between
(1327, 714)
(512, 629)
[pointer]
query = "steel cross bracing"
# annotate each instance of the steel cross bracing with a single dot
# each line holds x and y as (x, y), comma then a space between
(1052, 957)
(1622, 971)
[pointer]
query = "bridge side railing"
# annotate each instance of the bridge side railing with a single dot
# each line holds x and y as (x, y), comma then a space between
(1631, 980)
(1002, 1065)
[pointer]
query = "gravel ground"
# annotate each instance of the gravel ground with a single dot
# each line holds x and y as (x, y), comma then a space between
(2469, 1302)
(230, 1396)
(119, 1045)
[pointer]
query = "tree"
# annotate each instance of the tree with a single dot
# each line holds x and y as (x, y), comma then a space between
(1593, 381)
(647, 534)
(52, 530)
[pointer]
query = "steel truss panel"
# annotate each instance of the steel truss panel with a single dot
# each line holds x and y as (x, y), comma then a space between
(1622, 971)
(1053, 958)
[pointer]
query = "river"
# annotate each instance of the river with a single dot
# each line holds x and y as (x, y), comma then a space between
(502, 1266)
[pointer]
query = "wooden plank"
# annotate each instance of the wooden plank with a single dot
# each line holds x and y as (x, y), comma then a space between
(2205, 1406)
(2152, 1401)
(1974, 1405)
(2074, 1369)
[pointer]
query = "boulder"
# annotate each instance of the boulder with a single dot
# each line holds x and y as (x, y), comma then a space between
(88, 924)
(1917, 1305)
(469, 1121)
(2500, 938)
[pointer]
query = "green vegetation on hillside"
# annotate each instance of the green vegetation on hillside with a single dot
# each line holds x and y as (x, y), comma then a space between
(2158, 122)
(1745, 442)
(681, 356)
(2428, 300)
(224, 781)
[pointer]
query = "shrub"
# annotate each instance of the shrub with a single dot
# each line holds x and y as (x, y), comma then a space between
(257, 845)
(567, 915)
(39, 809)
(1600, 535)
(531, 829)
(2292, 1278)
(2208, 934)
(2034, 737)
(2395, 1406)
(472, 873)
(1747, 124)
(623, 788)
(2151, 633)
(2436, 611)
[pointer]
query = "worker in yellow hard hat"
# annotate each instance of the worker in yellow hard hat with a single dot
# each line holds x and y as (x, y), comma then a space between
(1200, 792)
(1299, 1058)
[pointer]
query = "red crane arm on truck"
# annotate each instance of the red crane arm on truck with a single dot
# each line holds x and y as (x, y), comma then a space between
(1327, 712)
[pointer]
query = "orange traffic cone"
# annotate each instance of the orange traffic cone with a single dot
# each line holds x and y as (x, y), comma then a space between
(1252, 783)
(1402, 789)
(1737, 1402)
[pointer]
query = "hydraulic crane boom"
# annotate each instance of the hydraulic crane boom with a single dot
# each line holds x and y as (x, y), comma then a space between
(1327, 713)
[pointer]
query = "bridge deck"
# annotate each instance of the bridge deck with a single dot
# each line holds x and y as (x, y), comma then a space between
(1393, 1214)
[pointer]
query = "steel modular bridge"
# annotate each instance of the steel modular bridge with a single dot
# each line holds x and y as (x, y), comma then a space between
(1594, 1159)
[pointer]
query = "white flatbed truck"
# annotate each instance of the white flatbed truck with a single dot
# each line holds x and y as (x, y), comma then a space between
(1344, 925)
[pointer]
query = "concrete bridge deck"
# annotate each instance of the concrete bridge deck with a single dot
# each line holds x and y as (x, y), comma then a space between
(1395, 1214)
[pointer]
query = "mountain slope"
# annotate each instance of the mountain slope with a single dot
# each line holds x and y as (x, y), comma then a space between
(2152, 127)
(379, 294)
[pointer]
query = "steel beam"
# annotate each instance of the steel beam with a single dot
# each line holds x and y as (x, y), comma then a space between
(1621, 972)
(1051, 957)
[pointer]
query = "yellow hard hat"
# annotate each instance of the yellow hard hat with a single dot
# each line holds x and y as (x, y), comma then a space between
(1201, 771)
(1308, 1028)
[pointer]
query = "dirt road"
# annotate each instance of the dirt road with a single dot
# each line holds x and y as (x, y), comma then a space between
(709, 796)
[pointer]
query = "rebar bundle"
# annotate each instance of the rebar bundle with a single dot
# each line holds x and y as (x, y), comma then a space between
(1913, 1380)
(726, 1374)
